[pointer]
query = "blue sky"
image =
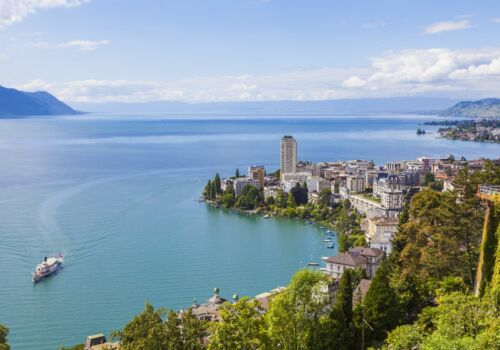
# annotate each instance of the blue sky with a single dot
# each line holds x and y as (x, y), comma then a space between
(219, 50)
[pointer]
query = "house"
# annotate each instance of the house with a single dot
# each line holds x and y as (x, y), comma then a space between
(373, 258)
(355, 258)
(336, 265)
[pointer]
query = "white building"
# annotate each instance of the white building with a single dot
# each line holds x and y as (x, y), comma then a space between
(391, 194)
(355, 258)
(289, 180)
(380, 232)
(288, 155)
(240, 183)
(355, 183)
(317, 184)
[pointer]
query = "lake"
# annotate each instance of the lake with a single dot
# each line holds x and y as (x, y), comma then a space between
(118, 195)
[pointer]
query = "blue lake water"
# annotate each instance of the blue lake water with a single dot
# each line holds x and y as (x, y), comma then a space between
(117, 194)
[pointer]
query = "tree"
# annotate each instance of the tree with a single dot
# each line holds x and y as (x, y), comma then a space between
(380, 304)
(213, 190)
(294, 315)
(207, 194)
(242, 327)
(340, 332)
(193, 332)
(300, 194)
(325, 197)
(144, 332)
(218, 188)
(405, 337)
(291, 203)
(4, 332)
(148, 331)
(237, 175)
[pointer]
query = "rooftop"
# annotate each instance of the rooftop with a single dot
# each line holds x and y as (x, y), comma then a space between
(346, 259)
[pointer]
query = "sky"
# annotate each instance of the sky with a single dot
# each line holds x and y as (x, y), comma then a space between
(250, 50)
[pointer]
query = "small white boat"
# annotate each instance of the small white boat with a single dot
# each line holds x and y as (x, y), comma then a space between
(313, 264)
(330, 246)
(327, 240)
(267, 216)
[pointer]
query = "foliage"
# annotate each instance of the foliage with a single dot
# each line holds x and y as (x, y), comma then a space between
(380, 305)
(76, 347)
(300, 194)
(149, 331)
(242, 327)
(4, 332)
(294, 316)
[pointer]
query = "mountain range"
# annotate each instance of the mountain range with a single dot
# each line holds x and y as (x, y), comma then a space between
(15, 103)
(485, 108)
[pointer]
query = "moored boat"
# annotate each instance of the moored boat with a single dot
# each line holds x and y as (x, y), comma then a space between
(48, 267)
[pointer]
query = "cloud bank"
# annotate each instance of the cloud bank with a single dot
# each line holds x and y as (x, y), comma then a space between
(12, 11)
(439, 71)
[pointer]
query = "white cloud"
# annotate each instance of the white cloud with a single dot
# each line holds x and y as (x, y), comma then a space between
(425, 71)
(496, 20)
(442, 72)
(448, 26)
(12, 11)
(3, 57)
(81, 45)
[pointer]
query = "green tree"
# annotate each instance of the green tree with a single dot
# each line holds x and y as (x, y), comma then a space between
(193, 332)
(291, 203)
(237, 174)
(4, 332)
(405, 337)
(144, 332)
(294, 315)
(337, 332)
(242, 327)
(325, 197)
(213, 190)
(217, 181)
(381, 304)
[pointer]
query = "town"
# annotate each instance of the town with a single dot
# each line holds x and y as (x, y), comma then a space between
(481, 130)
(375, 194)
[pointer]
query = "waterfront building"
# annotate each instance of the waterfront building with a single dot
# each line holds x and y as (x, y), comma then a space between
(209, 310)
(240, 183)
(257, 173)
(271, 191)
(288, 155)
(336, 265)
(368, 259)
(99, 342)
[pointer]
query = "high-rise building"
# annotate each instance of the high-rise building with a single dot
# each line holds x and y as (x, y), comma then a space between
(288, 155)
(257, 173)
